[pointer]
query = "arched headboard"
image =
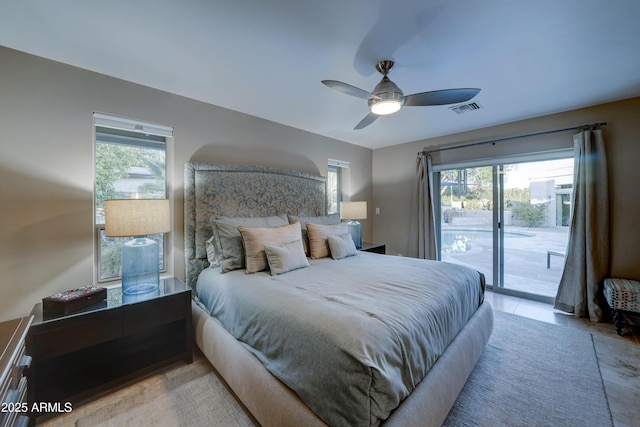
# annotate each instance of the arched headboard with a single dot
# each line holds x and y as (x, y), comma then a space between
(241, 191)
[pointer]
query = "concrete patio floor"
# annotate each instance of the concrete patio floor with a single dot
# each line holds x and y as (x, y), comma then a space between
(525, 255)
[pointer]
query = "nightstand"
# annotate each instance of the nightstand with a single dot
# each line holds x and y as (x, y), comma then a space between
(80, 356)
(376, 248)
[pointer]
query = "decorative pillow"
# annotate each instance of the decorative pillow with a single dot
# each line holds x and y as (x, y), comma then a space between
(255, 238)
(229, 242)
(341, 246)
(319, 247)
(325, 219)
(287, 257)
(212, 252)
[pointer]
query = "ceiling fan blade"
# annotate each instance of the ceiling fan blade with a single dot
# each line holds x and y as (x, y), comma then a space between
(440, 97)
(368, 119)
(349, 90)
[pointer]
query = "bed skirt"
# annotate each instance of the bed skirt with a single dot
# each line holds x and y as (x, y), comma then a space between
(272, 403)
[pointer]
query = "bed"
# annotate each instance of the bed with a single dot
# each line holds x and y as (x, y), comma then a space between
(391, 383)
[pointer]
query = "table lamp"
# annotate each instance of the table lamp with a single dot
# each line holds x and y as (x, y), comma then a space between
(353, 211)
(140, 256)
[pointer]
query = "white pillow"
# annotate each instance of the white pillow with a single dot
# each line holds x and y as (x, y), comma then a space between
(341, 246)
(212, 252)
(287, 257)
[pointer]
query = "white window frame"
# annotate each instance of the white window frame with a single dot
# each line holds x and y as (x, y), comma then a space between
(336, 167)
(130, 125)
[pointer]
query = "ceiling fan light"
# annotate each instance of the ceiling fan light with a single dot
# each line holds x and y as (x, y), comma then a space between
(385, 106)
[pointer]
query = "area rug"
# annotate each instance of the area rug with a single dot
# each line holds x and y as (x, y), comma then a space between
(189, 395)
(533, 374)
(530, 374)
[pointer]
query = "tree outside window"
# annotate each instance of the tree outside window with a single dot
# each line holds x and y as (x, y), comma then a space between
(128, 165)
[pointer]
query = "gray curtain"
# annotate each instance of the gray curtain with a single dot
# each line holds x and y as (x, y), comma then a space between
(423, 221)
(587, 259)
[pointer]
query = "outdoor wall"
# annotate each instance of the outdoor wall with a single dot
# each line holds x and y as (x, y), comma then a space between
(546, 192)
(394, 176)
(46, 166)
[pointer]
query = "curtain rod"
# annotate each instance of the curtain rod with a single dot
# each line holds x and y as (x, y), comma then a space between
(593, 126)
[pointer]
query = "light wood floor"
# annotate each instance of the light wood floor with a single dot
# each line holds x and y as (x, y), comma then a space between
(619, 359)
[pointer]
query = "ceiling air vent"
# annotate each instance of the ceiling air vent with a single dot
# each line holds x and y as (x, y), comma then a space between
(465, 108)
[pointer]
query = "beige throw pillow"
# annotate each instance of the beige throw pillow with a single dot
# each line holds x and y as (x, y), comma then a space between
(255, 238)
(319, 247)
(324, 219)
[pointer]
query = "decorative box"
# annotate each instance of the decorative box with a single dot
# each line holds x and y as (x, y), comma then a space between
(74, 299)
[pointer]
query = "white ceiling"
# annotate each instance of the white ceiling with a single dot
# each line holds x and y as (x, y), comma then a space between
(267, 58)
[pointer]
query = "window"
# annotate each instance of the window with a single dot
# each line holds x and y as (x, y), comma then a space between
(130, 163)
(333, 189)
(334, 184)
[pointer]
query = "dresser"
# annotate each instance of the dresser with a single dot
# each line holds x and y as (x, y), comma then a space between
(13, 362)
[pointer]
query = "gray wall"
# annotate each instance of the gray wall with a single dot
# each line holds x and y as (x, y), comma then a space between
(393, 173)
(46, 166)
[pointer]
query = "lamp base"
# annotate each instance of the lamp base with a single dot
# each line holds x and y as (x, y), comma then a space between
(140, 266)
(139, 289)
(133, 298)
(355, 229)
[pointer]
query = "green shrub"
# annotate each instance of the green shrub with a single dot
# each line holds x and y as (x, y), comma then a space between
(531, 215)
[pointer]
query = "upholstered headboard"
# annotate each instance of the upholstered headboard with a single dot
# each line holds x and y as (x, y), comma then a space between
(241, 191)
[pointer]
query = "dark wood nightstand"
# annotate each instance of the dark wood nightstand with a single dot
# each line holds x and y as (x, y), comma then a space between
(80, 356)
(376, 248)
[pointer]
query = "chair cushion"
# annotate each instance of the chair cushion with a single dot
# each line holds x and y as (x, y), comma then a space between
(623, 294)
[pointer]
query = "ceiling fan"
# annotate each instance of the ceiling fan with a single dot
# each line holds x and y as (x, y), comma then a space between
(387, 98)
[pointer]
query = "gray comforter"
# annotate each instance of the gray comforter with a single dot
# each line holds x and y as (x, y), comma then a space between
(351, 337)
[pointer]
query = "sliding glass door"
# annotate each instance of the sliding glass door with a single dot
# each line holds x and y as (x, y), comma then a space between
(509, 221)
(536, 209)
(467, 218)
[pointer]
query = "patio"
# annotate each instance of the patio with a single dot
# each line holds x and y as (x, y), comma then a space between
(526, 253)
